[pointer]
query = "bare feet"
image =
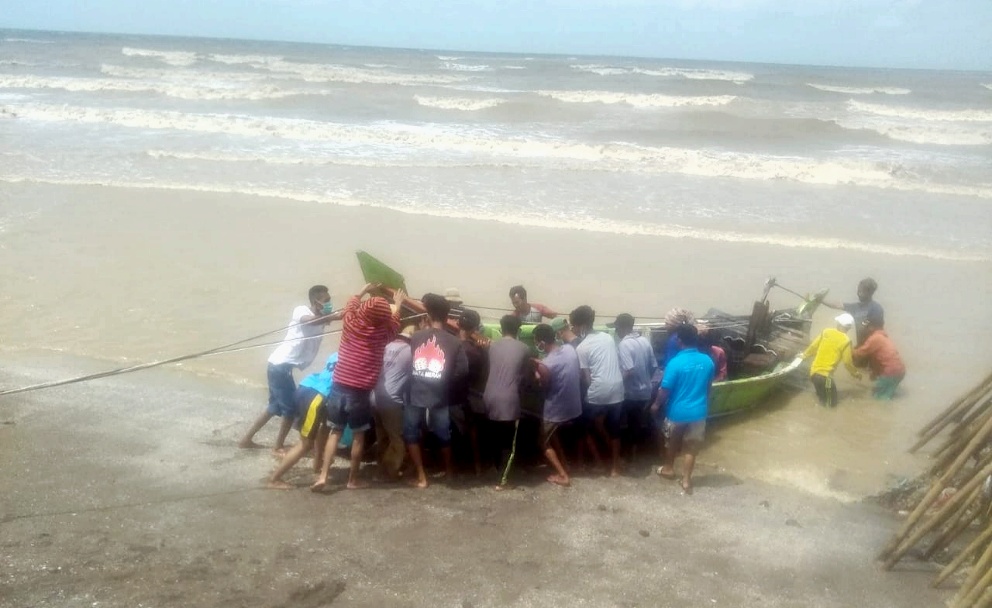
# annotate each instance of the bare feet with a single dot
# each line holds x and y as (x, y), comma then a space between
(420, 484)
(686, 488)
(357, 485)
(319, 485)
(278, 485)
(666, 473)
(559, 480)
(503, 487)
(248, 444)
(280, 452)
(616, 473)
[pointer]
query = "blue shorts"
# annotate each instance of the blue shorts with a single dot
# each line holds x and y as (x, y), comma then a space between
(612, 415)
(282, 390)
(348, 406)
(437, 419)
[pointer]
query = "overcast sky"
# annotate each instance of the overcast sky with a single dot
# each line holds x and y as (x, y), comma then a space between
(953, 34)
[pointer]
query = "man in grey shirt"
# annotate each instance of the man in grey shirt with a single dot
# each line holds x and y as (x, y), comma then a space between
(600, 363)
(638, 364)
(391, 393)
(509, 365)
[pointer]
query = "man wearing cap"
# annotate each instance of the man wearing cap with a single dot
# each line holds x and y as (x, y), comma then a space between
(831, 348)
(454, 299)
(638, 364)
(563, 331)
(887, 368)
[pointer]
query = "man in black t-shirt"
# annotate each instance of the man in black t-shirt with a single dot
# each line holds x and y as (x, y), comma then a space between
(439, 363)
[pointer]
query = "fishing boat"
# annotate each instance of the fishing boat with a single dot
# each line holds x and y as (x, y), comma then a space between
(761, 347)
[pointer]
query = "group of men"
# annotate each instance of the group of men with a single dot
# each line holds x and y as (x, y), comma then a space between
(873, 348)
(412, 378)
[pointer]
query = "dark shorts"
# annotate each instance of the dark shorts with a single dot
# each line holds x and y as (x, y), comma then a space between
(282, 390)
(561, 430)
(437, 419)
(826, 390)
(612, 416)
(311, 411)
(348, 406)
(679, 433)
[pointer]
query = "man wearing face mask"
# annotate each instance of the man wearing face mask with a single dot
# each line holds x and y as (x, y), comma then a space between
(297, 350)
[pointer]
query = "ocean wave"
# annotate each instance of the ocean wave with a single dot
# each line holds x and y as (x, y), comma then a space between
(448, 57)
(497, 148)
(191, 91)
(458, 103)
(860, 90)
(513, 67)
(537, 219)
(638, 100)
(666, 72)
(969, 115)
(465, 67)
(176, 58)
(988, 86)
(321, 72)
(241, 59)
(29, 40)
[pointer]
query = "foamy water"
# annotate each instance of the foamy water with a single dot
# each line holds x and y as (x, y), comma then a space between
(734, 152)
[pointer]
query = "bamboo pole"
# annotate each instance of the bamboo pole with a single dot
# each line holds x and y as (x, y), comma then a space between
(952, 413)
(982, 386)
(902, 545)
(978, 439)
(979, 580)
(957, 524)
(986, 600)
(970, 550)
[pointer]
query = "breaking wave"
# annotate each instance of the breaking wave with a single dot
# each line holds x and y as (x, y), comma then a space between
(458, 103)
(176, 58)
(29, 40)
(539, 219)
(465, 67)
(637, 100)
(860, 90)
(666, 72)
(321, 72)
(920, 113)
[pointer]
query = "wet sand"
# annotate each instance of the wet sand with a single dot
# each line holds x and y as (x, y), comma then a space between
(129, 491)
(133, 486)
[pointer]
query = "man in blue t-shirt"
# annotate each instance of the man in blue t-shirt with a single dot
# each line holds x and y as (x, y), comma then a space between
(682, 405)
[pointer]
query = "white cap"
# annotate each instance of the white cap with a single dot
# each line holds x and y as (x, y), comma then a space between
(845, 320)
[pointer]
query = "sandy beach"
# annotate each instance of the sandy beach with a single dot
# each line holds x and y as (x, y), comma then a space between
(130, 491)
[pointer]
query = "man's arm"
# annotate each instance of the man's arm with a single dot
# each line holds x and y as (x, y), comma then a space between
(543, 374)
(660, 401)
(811, 349)
(849, 362)
(545, 311)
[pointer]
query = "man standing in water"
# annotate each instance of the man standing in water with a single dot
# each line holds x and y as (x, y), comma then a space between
(439, 364)
(682, 405)
(863, 309)
(368, 327)
(831, 348)
(887, 368)
(526, 311)
(296, 351)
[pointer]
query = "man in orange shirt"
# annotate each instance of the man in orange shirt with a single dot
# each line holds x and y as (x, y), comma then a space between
(887, 368)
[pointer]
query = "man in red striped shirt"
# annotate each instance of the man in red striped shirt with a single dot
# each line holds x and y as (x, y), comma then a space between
(369, 326)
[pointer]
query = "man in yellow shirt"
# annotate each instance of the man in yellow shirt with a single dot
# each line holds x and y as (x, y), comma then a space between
(831, 348)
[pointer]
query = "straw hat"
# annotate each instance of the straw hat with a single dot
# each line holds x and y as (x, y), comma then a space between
(451, 294)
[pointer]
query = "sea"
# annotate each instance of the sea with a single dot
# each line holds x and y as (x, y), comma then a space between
(895, 162)
(162, 196)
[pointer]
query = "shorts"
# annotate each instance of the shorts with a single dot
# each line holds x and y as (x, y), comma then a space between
(282, 390)
(437, 419)
(549, 430)
(348, 406)
(826, 390)
(311, 411)
(612, 414)
(885, 387)
(677, 433)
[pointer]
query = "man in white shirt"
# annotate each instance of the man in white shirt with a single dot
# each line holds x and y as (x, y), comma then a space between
(297, 350)
(638, 364)
(600, 363)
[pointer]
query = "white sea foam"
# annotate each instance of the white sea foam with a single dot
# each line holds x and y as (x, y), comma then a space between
(988, 86)
(176, 58)
(638, 100)
(321, 72)
(458, 103)
(189, 91)
(537, 219)
(448, 57)
(465, 67)
(513, 67)
(489, 146)
(29, 41)
(240, 59)
(969, 115)
(666, 72)
(860, 90)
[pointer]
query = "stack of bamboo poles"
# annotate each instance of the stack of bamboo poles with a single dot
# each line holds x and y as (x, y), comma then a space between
(963, 462)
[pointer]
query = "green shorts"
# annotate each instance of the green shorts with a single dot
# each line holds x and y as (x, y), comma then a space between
(885, 387)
